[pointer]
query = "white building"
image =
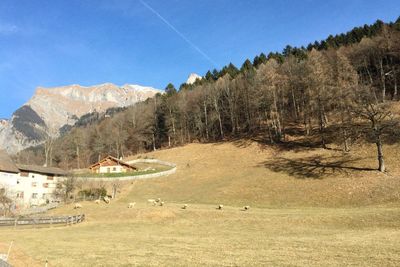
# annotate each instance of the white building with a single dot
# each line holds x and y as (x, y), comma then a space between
(36, 184)
(112, 165)
(9, 174)
(28, 185)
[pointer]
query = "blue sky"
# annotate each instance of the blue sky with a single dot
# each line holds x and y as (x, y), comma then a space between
(53, 43)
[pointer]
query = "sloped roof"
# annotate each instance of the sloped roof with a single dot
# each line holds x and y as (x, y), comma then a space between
(118, 161)
(6, 163)
(42, 170)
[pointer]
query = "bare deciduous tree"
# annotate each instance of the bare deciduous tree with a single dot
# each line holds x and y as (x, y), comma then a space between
(379, 117)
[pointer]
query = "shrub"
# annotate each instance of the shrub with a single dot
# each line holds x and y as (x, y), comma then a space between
(93, 192)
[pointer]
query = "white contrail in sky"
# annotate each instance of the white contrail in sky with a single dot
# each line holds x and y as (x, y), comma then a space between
(172, 27)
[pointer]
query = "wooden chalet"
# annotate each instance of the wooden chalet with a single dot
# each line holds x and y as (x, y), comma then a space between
(111, 165)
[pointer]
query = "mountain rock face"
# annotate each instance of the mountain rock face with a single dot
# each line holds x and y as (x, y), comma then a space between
(52, 108)
(192, 78)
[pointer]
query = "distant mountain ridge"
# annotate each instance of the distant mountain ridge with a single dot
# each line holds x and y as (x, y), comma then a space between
(52, 108)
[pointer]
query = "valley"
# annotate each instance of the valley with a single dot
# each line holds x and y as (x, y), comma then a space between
(340, 218)
(289, 158)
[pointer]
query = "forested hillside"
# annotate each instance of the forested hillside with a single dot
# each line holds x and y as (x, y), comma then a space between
(338, 91)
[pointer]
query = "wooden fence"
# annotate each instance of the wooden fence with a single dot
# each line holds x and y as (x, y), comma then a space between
(54, 220)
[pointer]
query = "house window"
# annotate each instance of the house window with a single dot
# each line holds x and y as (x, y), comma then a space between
(33, 176)
(108, 170)
(34, 184)
(20, 194)
(114, 169)
(34, 195)
(50, 178)
(46, 185)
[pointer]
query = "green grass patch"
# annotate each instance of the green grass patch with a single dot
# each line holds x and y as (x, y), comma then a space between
(116, 175)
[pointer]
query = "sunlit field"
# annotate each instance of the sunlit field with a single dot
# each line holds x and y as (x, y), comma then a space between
(293, 220)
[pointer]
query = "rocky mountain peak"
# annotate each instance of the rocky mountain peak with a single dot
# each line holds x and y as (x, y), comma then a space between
(50, 109)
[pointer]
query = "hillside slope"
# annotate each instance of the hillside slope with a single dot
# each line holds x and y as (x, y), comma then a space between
(246, 173)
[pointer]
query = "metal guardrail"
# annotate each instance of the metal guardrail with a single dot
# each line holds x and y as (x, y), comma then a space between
(54, 220)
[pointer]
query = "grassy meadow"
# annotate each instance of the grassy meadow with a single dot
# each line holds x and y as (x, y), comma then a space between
(202, 236)
(308, 207)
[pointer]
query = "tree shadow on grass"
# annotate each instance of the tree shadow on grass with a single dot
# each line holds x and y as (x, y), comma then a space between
(315, 167)
(295, 141)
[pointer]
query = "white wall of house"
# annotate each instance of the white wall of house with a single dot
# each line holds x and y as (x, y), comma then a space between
(112, 169)
(8, 179)
(34, 189)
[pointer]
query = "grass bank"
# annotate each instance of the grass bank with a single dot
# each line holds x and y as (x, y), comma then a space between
(114, 235)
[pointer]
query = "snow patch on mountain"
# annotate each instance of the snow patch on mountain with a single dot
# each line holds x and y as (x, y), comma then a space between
(192, 78)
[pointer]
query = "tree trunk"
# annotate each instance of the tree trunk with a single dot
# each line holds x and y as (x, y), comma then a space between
(271, 139)
(382, 74)
(344, 130)
(206, 119)
(371, 81)
(117, 147)
(277, 116)
(46, 155)
(219, 118)
(381, 163)
(321, 123)
(173, 125)
(295, 113)
(154, 142)
(77, 157)
(247, 106)
(51, 156)
(345, 141)
(232, 117)
(182, 137)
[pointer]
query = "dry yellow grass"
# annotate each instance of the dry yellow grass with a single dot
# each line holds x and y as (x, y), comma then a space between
(203, 236)
(17, 257)
(246, 173)
(338, 216)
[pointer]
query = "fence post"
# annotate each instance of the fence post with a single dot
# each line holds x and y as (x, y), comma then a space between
(9, 250)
